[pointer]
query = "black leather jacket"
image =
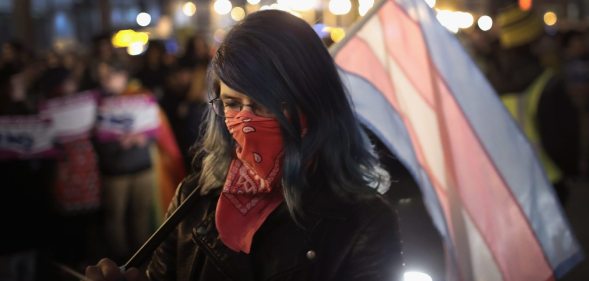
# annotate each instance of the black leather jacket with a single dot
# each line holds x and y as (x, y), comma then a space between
(337, 241)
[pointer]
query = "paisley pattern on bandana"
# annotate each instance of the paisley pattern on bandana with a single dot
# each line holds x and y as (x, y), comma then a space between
(251, 190)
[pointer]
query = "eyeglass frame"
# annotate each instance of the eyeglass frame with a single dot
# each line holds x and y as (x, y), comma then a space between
(216, 109)
(219, 110)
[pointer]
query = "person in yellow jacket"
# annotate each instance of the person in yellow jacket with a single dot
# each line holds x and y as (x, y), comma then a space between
(535, 95)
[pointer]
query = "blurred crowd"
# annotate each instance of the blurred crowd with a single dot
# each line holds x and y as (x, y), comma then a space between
(54, 206)
(57, 198)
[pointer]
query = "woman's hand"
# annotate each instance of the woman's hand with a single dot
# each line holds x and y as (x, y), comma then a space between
(107, 270)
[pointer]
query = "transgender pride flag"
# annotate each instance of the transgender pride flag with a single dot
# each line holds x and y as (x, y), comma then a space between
(415, 87)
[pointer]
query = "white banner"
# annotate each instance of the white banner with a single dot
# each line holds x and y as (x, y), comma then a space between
(124, 115)
(73, 116)
(25, 137)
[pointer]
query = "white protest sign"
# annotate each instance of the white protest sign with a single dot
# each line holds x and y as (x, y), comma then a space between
(72, 116)
(25, 137)
(122, 115)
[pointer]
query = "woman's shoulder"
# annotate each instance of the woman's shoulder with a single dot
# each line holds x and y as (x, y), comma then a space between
(328, 205)
(187, 186)
(190, 187)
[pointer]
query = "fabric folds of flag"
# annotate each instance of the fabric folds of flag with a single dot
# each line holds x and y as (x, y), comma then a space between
(415, 87)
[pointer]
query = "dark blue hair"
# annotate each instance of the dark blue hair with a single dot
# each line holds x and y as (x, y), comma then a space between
(278, 60)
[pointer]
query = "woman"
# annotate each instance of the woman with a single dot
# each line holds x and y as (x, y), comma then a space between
(287, 180)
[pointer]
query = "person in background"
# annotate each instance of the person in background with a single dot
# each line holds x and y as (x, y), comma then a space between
(102, 52)
(127, 175)
(197, 51)
(26, 209)
(184, 103)
(576, 76)
(152, 71)
(288, 186)
(575, 45)
(76, 186)
(533, 94)
(13, 57)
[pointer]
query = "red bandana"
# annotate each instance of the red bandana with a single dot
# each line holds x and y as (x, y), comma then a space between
(251, 191)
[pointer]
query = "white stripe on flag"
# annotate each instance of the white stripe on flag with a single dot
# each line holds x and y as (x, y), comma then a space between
(423, 122)
(484, 267)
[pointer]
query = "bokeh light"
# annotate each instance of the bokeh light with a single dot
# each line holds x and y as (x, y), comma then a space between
(416, 276)
(136, 48)
(189, 9)
(455, 20)
(550, 18)
(431, 3)
(222, 7)
(238, 13)
(525, 4)
(299, 5)
(485, 23)
(143, 19)
(364, 6)
(340, 7)
(126, 37)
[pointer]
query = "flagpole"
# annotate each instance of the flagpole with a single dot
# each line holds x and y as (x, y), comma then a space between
(460, 253)
(457, 224)
(148, 248)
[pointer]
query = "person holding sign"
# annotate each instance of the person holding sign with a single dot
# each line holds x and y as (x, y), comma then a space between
(288, 187)
(125, 131)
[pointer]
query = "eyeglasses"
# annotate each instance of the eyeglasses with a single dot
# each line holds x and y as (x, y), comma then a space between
(219, 108)
(217, 105)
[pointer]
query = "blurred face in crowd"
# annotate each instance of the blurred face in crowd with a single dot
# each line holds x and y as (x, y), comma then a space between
(179, 81)
(576, 47)
(53, 59)
(200, 47)
(185, 77)
(69, 61)
(112, 80)
(105, 49)
(8, 53)
(579, 94)
(70, 86)
(154, 55)
(576, 75)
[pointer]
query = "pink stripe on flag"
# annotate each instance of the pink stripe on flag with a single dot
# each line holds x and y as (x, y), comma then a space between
(404, 43)
(505, 229)
(365, 67)
(408, 49)
(522, 259)
(376, 73)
